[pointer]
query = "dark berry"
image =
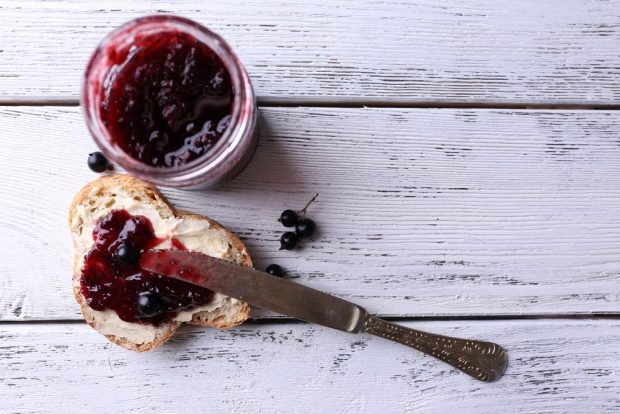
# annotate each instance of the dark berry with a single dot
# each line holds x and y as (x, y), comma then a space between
(127, 255)
(288, 218)
(305, 228)
(149, 304)
(97, 162)
(288, 240)
(274, 269)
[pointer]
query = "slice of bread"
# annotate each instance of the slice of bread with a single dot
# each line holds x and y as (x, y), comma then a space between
(196, 232)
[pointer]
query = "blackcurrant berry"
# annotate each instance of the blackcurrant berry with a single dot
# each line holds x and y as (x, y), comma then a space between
(305, 227)
(288, 218)
(149, 304)
(274, 269)
(288, 240)
(97, 162)
(127, 255)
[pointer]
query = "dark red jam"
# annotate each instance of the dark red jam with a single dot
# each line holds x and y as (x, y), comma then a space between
(177, 244)
(165, 263)
(168, 99)
(112, 282)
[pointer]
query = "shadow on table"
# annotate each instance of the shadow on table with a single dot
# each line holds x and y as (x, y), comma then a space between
(271, 168)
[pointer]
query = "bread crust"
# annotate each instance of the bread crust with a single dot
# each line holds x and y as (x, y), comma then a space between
(107, 185)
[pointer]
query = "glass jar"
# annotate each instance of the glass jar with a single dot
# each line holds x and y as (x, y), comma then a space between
(227, 157)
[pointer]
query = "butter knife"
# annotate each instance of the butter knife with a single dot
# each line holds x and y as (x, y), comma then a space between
(485, 361)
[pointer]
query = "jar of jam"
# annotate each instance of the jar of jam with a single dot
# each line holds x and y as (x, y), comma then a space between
(170, 102)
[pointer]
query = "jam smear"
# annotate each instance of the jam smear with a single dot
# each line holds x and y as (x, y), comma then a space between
(162, 261)
(108, 283)
(177, 244)
(167, 99)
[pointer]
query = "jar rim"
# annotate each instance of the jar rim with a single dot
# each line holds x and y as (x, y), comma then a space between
(97, 70)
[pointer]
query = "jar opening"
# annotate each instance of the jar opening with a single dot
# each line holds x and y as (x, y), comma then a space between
(100, 75)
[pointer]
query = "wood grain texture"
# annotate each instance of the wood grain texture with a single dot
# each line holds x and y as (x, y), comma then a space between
(556, 366)
(558, 51)
(420, 212)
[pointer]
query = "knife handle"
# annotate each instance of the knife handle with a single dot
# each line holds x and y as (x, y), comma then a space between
(484, 361)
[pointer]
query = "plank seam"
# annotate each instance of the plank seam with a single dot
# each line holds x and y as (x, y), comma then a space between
(357, 104)
(282, 321)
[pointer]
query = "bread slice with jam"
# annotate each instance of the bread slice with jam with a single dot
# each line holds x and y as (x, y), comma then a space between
(115, 218)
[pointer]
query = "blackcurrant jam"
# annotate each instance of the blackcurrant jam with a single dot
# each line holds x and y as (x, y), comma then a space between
(112, 279)
(169, 101)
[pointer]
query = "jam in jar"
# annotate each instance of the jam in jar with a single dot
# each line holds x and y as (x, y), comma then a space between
(170, 102)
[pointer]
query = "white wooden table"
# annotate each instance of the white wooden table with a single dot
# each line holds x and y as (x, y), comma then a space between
(467, 156)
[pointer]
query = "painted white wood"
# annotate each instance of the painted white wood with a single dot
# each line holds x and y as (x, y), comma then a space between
(421, 211)
(556, 366)
(555, 51)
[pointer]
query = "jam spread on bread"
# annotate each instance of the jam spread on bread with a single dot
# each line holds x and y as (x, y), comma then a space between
(112, 278)
(168, 99)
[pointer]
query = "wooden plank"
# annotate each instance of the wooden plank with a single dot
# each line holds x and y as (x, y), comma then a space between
(421, 211)
(558, 51)
(556, 366)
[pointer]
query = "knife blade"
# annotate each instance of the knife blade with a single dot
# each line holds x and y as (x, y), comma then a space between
(257, 288)
(485, 361)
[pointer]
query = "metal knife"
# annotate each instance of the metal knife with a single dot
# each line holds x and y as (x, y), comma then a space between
(485, 361)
